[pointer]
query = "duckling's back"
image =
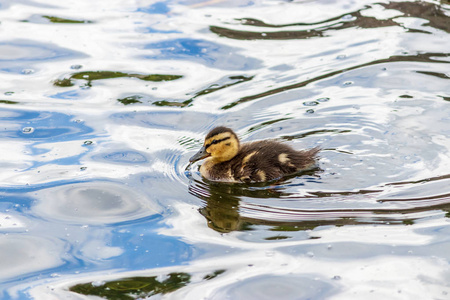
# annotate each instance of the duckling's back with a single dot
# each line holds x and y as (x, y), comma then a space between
(269, 160)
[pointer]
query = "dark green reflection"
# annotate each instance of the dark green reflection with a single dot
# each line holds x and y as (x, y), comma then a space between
(213, 274)
(8, 102)
(131, 288)
(62, 20)
(217, 86)
(277, 237)
(173, 103)
(130, 100)
(139, 287)
(98, 75)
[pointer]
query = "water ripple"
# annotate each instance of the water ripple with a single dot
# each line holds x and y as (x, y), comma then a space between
(93, 203)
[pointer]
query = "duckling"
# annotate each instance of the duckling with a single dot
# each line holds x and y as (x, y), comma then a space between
(229, 161)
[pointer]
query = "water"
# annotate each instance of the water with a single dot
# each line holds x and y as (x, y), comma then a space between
(103, 103)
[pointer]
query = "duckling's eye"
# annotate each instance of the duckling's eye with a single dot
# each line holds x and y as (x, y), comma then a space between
(217, 141)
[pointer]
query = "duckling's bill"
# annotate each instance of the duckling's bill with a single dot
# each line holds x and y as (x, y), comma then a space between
(201, 154)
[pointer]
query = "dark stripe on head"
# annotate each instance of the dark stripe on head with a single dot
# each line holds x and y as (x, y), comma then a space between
(216, 142)
(218, 130)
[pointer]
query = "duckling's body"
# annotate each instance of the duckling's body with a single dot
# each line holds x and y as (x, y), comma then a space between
(259, 161)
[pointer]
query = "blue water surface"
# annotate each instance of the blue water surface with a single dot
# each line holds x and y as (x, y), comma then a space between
(103, 103)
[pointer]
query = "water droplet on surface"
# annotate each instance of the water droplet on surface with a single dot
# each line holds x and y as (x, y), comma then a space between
(341, 56)
(28, 130)
(347, 18)
(27, 71)
(323, 99)
(76, 67)
(263, 34)
(310, 111)
(88, 143)
(348, 83)
(337, 277)
(310, 103)
(8, 93)
(83, 168)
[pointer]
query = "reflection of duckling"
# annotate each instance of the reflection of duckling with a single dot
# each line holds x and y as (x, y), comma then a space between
(259, 161)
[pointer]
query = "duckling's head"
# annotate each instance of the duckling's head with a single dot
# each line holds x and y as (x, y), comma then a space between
(221, 143)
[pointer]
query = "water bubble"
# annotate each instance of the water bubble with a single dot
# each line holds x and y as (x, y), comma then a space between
(8, 93)
(341, 56)
(347, 18)
(348, 83)
(310, 103)
(323, 99)
(27, 71)
(88, 143)
(28, 130)
(263, 34)
(76, 67)
(83, 168)
(310, 111)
